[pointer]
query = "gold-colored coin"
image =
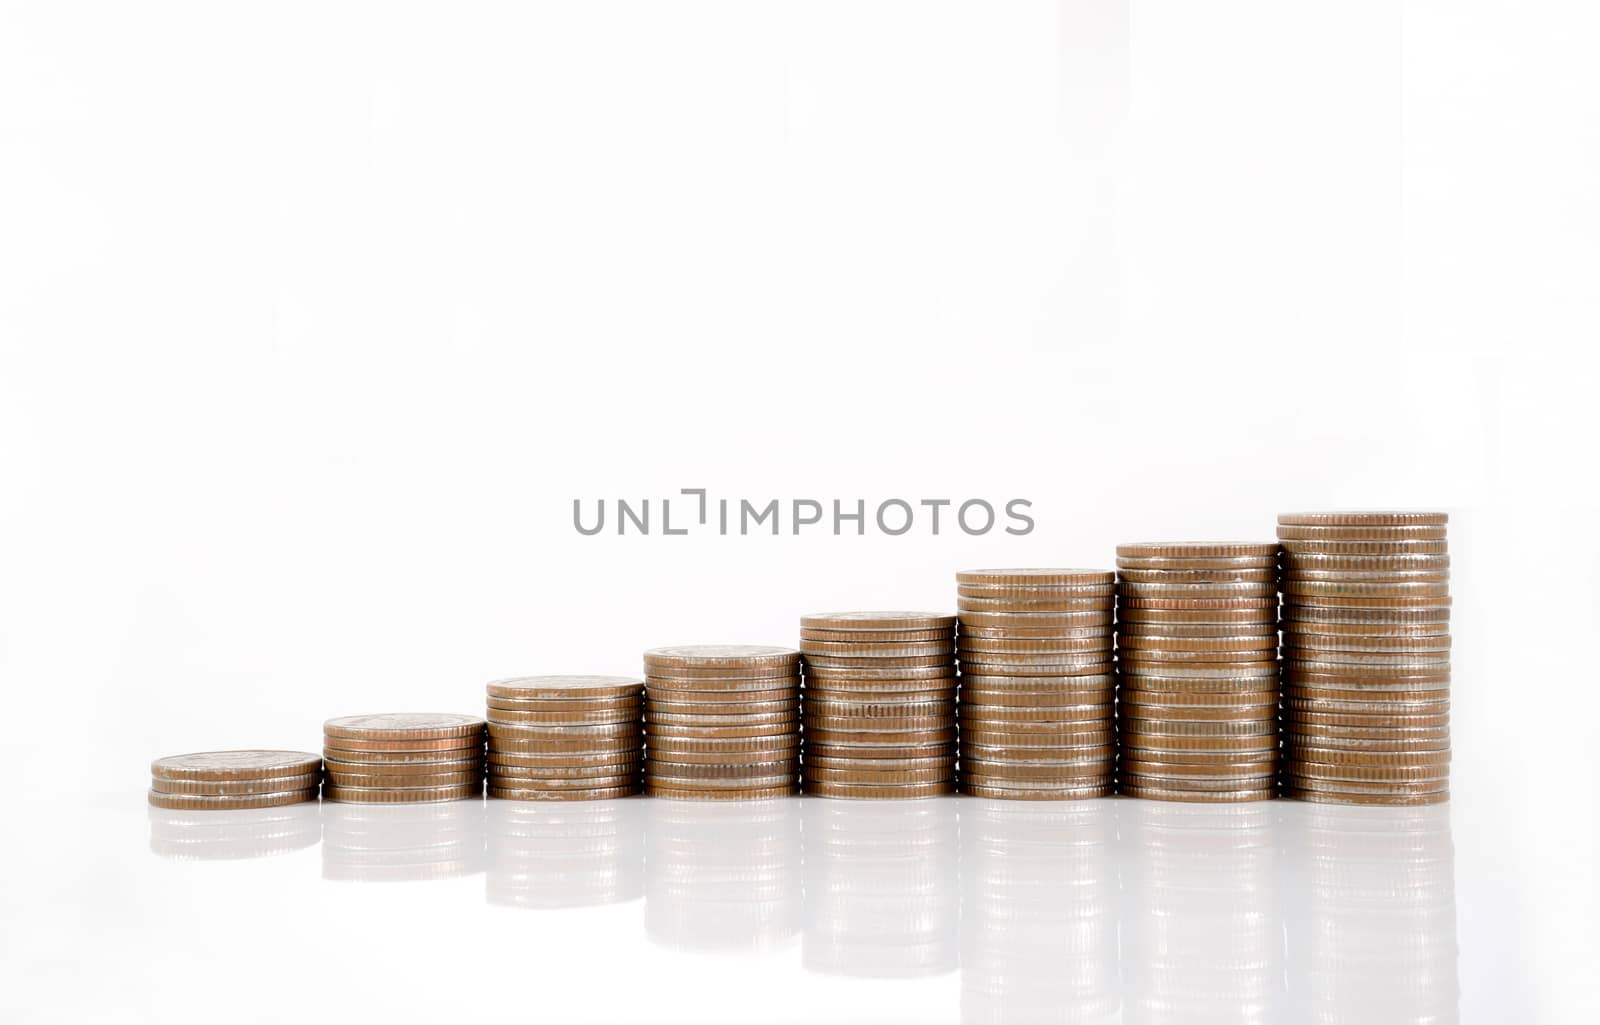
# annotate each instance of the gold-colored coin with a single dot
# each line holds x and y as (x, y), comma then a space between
(403, 780)
(870, 791)
(658, 707)
(1197, 796)
(1230, 592)
(878, 636)
(943, 733)
(584, 688)
(1035, 592)
(656, 730)
(1101, 694)
(1364, 518)
(1036, 645)
(1252, 768)
(1254, 617)
(1414, 532)
(1264, 575)
(944, 671)
(1037, 715)
(567, 704)
(753, 793)
(838, 649)
(992, 668)
(877, 621)
(1197, 550)
(876, 662)
(593, 717)
(1138, 713)
(228, 802)
(893, 775)
(242, 764)
(236, 787)
(666, 769)
(596, 794)
(404, 726)
(1033, 605)
(721, 656)
(1177, 633)
(372, 766)
(1439, 797)
(1048, 577)
(1294, 547)
(999, 793)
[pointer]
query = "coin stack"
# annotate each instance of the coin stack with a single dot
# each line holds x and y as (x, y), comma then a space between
(230, 780)
(722, 722)
(1197, 651)
(880, 704)
(1037, 683)
(565, 738)
(403, 758)
(1366, 657)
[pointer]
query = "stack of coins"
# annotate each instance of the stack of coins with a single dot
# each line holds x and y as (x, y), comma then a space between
(403, 758)
(1366, 657)
(722, 721)
(1037, 683)
(1197, 651)
(565, 738)
(880, 704)
(230, 780)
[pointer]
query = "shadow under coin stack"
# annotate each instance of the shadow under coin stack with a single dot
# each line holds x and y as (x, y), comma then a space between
(880, 704)
(403, 758)
(1197, 652)
(231, 780)
(565, 738)
(722, 722)
(1037, 683)
(1366, 657)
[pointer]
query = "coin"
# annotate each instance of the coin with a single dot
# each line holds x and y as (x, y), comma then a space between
(1398, 532)
(370, 766)
(228, 802)
(409, 795)
(1197, 550)
(236, 787)
(877, 621)
(877, 636)
(1000, 793)
(1380, 518)
(819, 752)
(722, 655)
(409, 726)
(751, 793)
(1035, 606)
(875, 661)
(588, 717)
(448, 744)
(1267, 574)
(872, 791)
(1036, 576)
(594, 794)
(1197, 796)
(243, 764)
(562, 687)
(405, 781)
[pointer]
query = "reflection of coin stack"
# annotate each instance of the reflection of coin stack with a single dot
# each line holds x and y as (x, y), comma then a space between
(722, 876)
(1366, 650)
(1197, 650)
(1372, 925)
(565, 855)
(402, 842)
(1039, 913)
(1201, 938)
(1037, 687)
(403, 758)
(565, 738)
(234, 835)
(234, 780)
(880, 704)
(722, 721)
(882, 888)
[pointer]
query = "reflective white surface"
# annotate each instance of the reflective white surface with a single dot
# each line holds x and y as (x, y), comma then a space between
(954, 909)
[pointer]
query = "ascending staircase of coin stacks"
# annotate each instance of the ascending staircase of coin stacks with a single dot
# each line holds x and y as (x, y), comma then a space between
(1198, 689)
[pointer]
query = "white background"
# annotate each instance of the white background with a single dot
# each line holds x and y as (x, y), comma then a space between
(316, 317)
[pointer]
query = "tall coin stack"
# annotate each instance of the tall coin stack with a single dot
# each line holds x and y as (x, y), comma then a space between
(1366, 650)
(1197, 651)
(880, 704)
(1038, 688)
(230, 780)
(403, 758)
(565, 738)
(722, 722)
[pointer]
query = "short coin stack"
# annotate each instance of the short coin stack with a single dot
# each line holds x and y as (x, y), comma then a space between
(880, 704)
(403, 758)
(1197, 651)
(1366, 657)
(1038, 688)
(230, 780)
(565, 738)
(722, 722)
